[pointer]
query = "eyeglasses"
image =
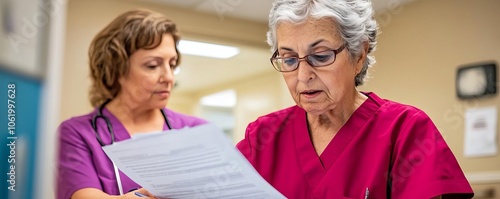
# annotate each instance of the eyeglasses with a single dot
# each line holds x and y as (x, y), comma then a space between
(319, 59)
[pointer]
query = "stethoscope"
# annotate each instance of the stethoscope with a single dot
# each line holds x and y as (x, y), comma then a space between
(99, 115)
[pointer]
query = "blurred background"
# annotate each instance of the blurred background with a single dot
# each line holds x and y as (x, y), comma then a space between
(43, 59)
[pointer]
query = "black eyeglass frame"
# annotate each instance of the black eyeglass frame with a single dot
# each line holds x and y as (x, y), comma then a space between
(306, 58)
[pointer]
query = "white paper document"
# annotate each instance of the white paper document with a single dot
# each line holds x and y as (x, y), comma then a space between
(197, 162)
(480, 132)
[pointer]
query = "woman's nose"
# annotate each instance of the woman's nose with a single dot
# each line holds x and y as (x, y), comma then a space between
(304, 72)
(167, 74)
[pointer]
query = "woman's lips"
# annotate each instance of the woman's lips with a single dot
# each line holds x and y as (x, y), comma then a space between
(310, 93)
(162, 93)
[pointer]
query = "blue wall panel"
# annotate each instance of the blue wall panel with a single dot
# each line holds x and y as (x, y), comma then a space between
(25, 100)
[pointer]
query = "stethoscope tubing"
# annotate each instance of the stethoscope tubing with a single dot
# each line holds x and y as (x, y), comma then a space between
(99, 115)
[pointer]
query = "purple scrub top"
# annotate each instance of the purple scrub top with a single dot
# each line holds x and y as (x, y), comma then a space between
(83, 164)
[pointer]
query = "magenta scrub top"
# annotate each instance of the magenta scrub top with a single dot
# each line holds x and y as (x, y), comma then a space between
(83, 164)
(383, 143)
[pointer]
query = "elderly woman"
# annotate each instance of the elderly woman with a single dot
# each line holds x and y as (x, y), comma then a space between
(339, 142)
(131, 62)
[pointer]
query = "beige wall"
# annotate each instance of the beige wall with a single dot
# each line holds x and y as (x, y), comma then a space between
(257, 96)
(184, 103)
(420, 48)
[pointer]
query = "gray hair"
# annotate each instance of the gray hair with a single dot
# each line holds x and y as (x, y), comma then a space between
(356, 23)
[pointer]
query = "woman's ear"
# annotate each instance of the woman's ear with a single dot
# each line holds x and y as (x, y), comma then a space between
(364, 52)
(120, 80)
(362, 57)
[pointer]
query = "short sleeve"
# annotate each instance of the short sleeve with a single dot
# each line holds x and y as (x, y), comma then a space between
(423, 166)
(75, 168)
(244, 146)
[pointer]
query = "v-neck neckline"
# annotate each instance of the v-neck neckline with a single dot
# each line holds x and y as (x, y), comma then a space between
(315, 167)
(121, 133)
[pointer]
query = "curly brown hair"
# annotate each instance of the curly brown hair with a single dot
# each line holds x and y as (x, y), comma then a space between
(111, 49)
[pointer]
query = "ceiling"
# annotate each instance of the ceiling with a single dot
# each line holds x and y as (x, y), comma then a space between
(255, 10)
(251, 61)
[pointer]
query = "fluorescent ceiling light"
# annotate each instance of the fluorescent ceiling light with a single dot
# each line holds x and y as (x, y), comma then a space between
(225, 98)
(207, 50)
